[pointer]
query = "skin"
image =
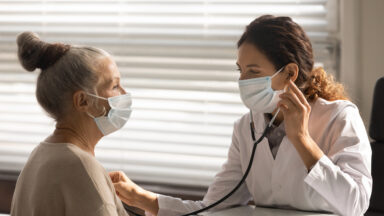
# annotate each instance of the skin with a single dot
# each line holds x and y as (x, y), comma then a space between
(77, 127)
(295, 111)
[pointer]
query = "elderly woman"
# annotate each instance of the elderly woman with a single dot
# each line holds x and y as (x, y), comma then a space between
(80, 88)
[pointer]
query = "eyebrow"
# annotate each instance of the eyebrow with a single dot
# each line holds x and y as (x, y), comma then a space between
(253, 65)
(108, 82)
(250, 65)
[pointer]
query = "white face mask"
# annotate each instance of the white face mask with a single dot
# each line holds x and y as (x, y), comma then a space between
(117, 116)
(257, 93)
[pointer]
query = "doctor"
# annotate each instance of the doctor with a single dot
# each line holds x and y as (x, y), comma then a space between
(316, 157)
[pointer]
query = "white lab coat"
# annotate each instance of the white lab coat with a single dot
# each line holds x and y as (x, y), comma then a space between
(340, 182)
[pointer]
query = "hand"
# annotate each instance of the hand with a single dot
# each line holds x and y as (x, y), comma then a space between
(125, 188)
(118, 176)
(132, 194)
(296, 111)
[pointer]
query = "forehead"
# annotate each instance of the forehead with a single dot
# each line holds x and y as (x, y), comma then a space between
(106, 70)
(249, 54)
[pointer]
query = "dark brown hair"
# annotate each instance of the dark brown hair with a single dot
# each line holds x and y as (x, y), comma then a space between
(283, 41)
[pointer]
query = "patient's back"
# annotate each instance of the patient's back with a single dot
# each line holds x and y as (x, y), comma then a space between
(61, 179)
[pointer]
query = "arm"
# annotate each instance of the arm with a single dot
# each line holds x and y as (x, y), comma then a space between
(344, 179)
(296, 111)
(224, 181)
(86, 191)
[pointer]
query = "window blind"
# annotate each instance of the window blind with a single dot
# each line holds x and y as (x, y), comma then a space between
(176, 57)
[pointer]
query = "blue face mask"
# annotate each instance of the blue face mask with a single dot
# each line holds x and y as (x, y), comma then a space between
(257, 93)
(117, 116)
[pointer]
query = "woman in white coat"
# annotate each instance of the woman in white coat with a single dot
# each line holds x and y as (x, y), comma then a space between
(316, 156)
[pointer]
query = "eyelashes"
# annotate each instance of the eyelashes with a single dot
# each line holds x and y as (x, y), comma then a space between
(250, 71)
(254, 72)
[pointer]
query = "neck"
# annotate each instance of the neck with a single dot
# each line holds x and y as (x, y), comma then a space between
(64, 133)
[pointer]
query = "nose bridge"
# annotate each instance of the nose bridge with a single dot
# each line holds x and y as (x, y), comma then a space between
(242, 76)
(122, 91)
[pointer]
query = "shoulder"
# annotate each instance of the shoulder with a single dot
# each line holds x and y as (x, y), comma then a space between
(70, 165)
(86, 163)
(242, 122)
(66, 157)
(323, 110)
(56, 158)
(339, 120)
(84, 174)
(244, 118)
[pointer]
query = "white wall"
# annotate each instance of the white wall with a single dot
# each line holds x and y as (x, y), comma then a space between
(372, 51)
(362, 50)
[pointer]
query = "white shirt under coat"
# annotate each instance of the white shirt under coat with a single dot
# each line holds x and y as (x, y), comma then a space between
(340, 182)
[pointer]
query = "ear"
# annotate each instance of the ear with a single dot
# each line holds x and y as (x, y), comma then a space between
(292, 71)
(80, 101)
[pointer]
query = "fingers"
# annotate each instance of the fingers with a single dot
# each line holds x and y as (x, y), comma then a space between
(124, 199)
(119, 187)
(117, 176)
(114, 176)
(297, 92)
(290, 100)
(124, 192)
(293, 98)
(125, 189)
(286, 103)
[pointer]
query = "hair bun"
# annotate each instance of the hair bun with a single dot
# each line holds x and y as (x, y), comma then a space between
(34, 53)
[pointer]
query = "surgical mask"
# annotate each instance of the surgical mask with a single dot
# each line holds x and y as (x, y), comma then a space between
(257, 93)
(117, 116)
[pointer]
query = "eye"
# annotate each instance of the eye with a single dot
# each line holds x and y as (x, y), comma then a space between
(238, 69)
(116, 86)
(254, 72)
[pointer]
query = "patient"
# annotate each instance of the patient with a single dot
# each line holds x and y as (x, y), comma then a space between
(79, 87)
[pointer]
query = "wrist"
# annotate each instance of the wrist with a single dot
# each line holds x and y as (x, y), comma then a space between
(147, 201)
(308, 150)
(301, 137)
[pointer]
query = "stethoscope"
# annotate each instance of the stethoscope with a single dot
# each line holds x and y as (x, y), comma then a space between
(255, 143)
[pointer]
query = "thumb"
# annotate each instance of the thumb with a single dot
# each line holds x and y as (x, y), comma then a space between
(118, 186)
(113, 176)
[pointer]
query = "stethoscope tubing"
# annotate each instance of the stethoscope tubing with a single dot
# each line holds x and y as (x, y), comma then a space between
(255, 143)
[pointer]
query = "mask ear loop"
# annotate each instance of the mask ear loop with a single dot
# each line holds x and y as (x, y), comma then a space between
(103, 112)
(277, 112)
(277, 72)
(278, 109)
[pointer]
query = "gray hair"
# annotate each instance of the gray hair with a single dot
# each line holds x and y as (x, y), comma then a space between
(64, 70)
